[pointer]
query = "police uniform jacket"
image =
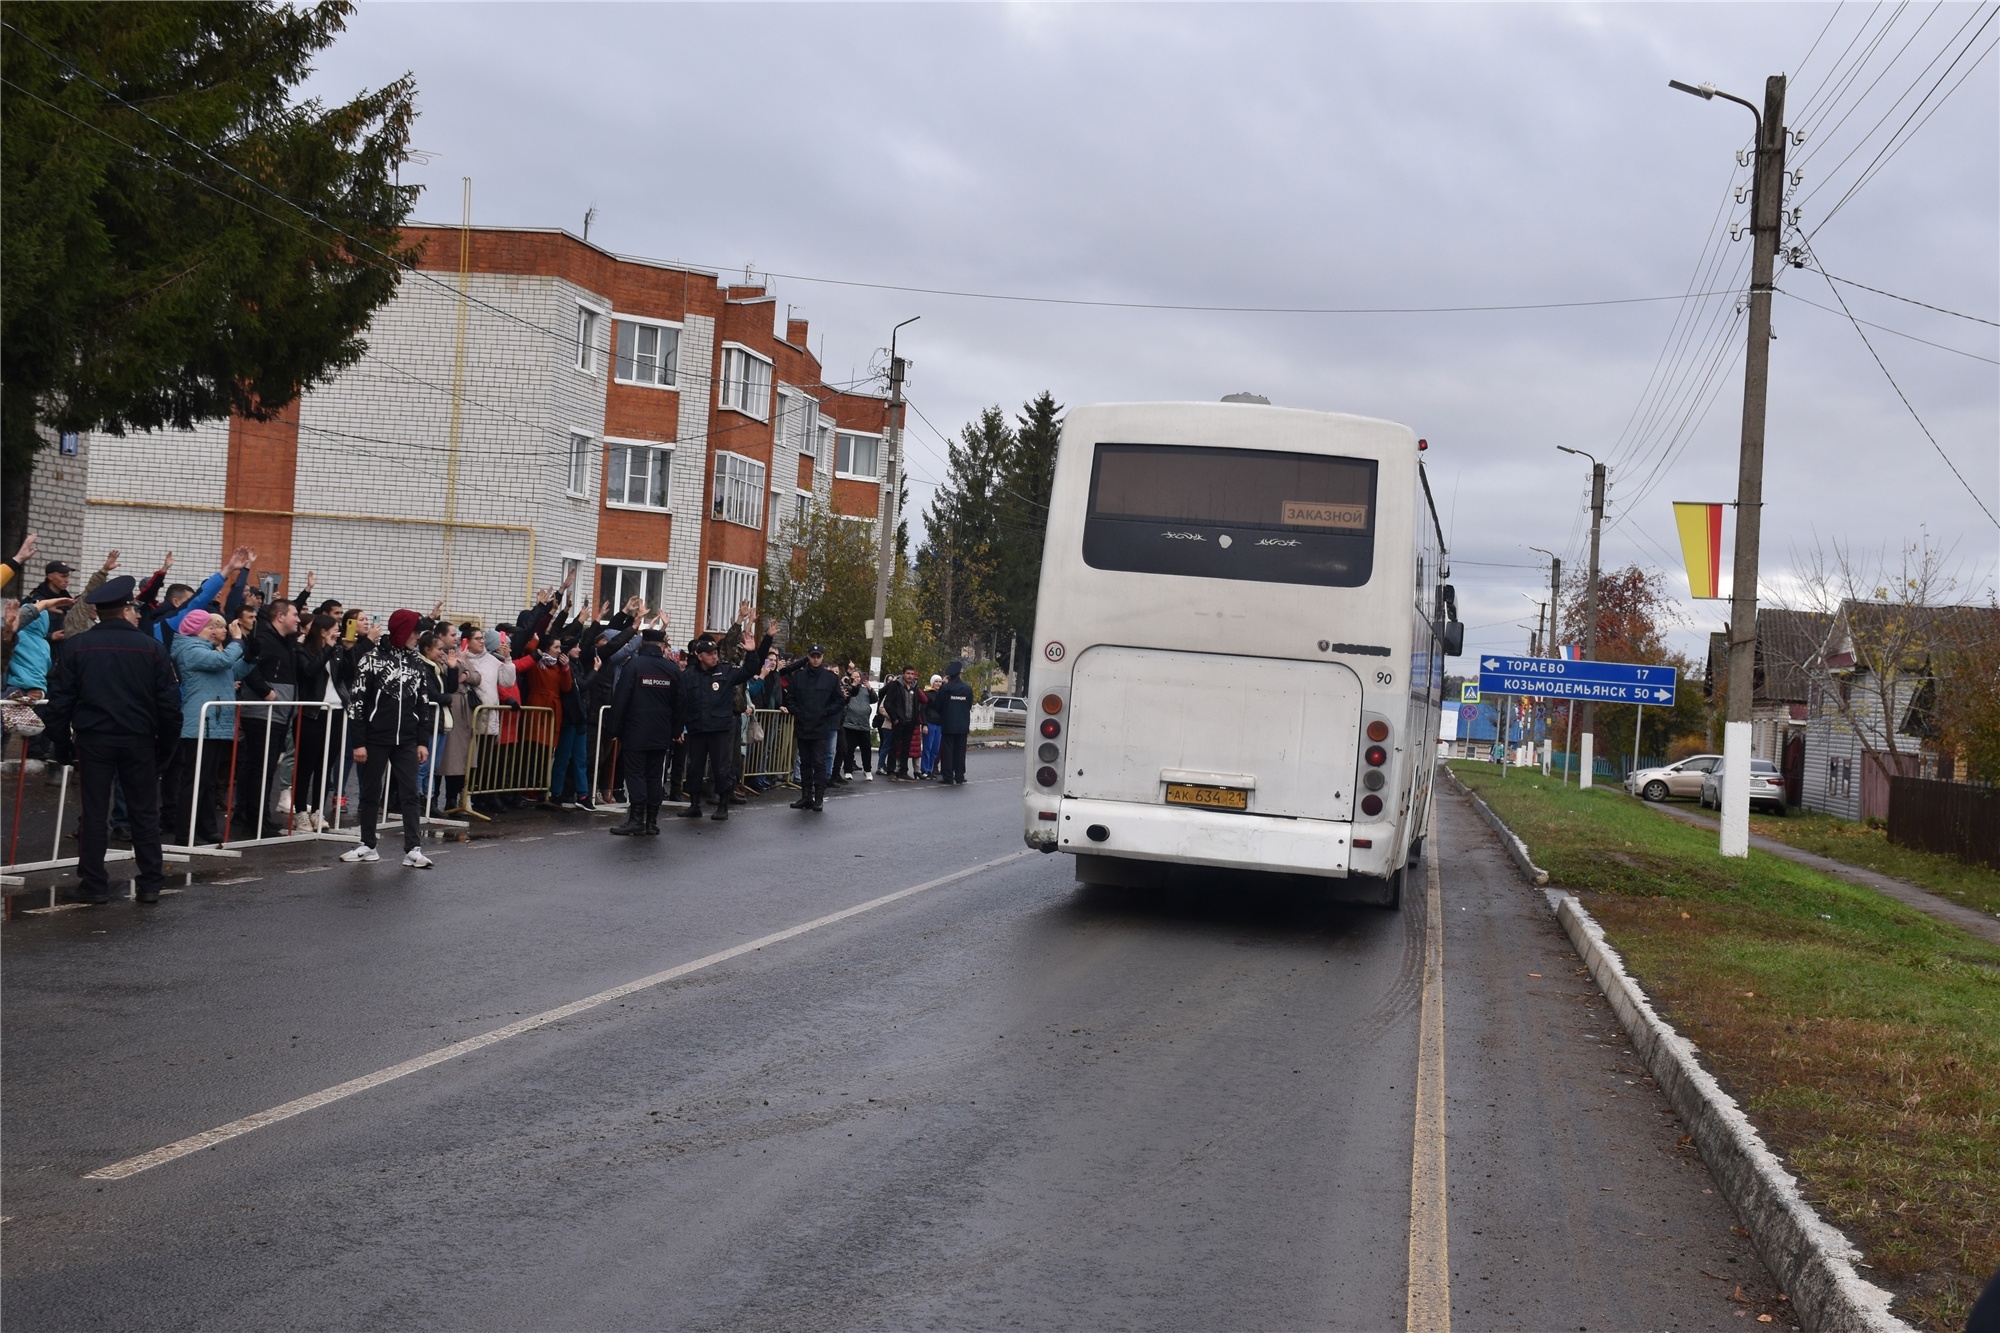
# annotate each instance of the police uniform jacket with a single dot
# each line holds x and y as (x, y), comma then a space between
(115, 684)
(815, 697)
(953, 701)
(646, 706)
(708, 698)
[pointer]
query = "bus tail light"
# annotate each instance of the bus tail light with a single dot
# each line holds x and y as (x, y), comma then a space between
(1376, 756)
(1378, 730)
(1048, 777)
(1371, 805)
(1052, 704)
(1051, 728)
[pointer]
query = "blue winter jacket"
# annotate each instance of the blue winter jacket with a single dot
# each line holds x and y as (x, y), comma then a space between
(208, 675)
(171, 623)
(28, 669)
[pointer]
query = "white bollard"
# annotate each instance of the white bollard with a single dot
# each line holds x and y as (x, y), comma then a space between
(1585, 763)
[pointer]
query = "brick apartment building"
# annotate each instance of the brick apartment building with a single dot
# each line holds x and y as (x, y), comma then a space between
(556, 408)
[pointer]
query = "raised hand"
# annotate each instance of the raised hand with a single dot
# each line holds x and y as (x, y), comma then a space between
(110, 561)
(167, 563)
(27, 551)
(634, 604)
(311, 579)
(437, 611)
(604, 609)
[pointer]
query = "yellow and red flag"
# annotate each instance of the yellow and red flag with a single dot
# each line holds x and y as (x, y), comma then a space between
(1701, 546)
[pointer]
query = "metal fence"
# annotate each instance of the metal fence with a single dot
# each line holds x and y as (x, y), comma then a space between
(286, 730)
(513, 751)
(1950, 818)
(771, 756)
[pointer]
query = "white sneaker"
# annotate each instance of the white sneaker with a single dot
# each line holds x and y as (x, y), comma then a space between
(361, 851)
(416, 860)
(867, 776)
(283, 805)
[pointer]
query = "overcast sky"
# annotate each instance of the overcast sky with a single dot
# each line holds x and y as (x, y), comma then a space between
(1298, 155)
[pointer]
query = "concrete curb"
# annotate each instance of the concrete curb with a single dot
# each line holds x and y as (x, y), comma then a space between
(1515, 847)
(1813, 1262)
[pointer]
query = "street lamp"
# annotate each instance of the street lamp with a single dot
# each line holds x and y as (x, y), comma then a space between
(1766, 218)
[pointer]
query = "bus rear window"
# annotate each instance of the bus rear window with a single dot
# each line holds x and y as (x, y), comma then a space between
(1256, 514)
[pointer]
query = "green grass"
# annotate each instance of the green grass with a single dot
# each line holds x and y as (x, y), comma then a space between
(1977, 887)
(1860, 1034)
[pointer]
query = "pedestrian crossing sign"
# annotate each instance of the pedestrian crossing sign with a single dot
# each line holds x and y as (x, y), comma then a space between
(1468, 693)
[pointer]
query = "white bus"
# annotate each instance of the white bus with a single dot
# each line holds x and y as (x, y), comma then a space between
(1239, 646)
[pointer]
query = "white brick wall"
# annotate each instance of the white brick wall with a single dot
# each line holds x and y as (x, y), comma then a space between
(56, 512)
(378, 441)
(171, 467)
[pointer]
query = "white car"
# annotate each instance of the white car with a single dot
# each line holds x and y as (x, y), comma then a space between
(1009, 710)
(1679, 779)
(1767, 787)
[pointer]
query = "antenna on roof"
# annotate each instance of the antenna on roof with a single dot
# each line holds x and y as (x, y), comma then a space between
(589, 216)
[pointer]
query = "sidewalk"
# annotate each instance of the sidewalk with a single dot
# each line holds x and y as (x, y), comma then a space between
(1965, 918)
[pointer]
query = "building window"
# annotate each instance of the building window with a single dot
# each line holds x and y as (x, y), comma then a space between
(586, 338)
(579, 590)
(739, 490)
(746, 382)
(801, 509)
(636, 473)
(646, 582)
(579, 464)
(821, 439)
(858, 456)
(646, 353)
(729, 586)
(797, 422)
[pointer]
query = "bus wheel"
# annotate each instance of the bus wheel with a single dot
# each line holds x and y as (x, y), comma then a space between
(1416, 853)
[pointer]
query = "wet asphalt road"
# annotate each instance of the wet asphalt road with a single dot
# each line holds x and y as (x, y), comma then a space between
(1002, 1102)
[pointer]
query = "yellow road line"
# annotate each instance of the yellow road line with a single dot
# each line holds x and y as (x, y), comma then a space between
(1429, 1308)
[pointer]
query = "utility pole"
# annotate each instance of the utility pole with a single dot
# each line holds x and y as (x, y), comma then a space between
(1766, 218)
(886, 509)
(1588, 760)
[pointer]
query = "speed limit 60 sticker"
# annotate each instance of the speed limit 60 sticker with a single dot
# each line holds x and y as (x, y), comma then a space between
(1054, 652)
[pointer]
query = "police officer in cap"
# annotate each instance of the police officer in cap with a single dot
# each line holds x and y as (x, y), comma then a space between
(708, 709)
(116, 689)
(815, 698)
(645, 716)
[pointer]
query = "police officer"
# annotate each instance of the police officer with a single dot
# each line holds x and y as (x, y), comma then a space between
(816, 699)
(645, 716)
(708, 709)
(116, 689)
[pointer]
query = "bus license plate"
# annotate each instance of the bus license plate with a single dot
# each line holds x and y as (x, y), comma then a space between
(1210, 798)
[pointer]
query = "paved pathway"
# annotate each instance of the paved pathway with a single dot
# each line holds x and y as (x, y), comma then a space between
(1968, 919)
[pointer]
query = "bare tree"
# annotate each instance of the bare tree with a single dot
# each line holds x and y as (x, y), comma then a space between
(1892, 623)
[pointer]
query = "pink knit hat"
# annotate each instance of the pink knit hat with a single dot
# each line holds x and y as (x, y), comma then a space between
(192, 622)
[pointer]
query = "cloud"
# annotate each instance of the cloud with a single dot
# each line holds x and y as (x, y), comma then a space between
(1286, 155)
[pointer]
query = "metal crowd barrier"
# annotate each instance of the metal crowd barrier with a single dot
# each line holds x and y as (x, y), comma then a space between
(513, 750)
(773, 756)
(604, 769)
(331, 761)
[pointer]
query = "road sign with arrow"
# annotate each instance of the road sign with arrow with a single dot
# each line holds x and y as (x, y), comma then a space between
(1557, 678)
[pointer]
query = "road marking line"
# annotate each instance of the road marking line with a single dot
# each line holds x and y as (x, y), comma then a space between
(132, 1166)
(1429, 1307)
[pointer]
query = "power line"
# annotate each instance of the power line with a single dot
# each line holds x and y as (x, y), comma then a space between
(1899, 137)
(1942, 347)
(1976, 498)
(1911, 300)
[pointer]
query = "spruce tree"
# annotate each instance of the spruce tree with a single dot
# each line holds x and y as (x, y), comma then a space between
(183, 239)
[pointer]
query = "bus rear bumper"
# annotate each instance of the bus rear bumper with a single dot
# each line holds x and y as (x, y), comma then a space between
(1204, 837)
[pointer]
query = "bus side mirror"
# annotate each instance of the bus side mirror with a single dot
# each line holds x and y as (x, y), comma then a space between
(1454, 638)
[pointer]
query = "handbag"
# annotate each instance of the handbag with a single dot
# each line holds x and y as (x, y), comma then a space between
(756, 728)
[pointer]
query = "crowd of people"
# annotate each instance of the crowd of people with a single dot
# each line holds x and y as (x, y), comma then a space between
(262, 715)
